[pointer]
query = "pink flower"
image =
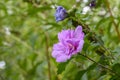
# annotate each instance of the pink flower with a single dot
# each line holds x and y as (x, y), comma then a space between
(70, 43)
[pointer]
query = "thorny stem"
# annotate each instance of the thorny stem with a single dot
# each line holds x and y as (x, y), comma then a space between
(115, 25)
(99, 64)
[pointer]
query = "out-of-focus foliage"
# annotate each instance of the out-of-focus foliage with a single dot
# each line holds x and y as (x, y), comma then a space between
(28, 31)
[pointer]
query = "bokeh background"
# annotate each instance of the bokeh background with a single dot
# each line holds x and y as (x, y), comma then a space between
(28, 31)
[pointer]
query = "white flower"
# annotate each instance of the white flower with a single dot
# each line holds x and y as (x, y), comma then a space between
(2, 64)
(85, 1)
(7, 31)
(85, 9)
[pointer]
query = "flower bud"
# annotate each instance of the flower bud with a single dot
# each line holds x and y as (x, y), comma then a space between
(60, 14)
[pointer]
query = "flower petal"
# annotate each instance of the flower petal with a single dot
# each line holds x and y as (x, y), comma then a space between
(80, 46)
(78, 33)
(63, 58)
(70, 43)
(58, 49)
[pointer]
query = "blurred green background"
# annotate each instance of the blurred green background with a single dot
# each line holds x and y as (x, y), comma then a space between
(28, 31)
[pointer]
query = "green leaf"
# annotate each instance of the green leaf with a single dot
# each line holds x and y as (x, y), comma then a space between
(114, 78)
(104, 60)
(80, 74)
(116, 68)
(91, 67)
(61, 67)
(99, 3)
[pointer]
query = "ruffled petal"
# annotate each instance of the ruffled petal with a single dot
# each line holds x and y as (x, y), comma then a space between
(70, 43)
(58, 49)
(80, 46)
(78, 33)
(63, 58)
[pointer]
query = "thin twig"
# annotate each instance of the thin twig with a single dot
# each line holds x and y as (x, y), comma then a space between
(1, 77)
(102, 45)
(30, 48)
(115, 24)
(23, 43)
(47, 52)
(47, 55)
(99, 64)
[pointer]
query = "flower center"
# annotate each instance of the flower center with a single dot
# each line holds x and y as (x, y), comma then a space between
(71, 48)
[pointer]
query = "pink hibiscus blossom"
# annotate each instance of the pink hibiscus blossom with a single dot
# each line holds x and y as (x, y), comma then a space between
(70, 43)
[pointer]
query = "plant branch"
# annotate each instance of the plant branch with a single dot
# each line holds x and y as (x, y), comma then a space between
(47, 55)
(30, 48)
(93, 37)
(47, 52)
(115, 24)
(100, 64)
(1, 77)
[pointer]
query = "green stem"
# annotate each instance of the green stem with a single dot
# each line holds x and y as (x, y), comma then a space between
(93, 37)
(113, 21)
(47, 55)
(1, 77)
(99, 64)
